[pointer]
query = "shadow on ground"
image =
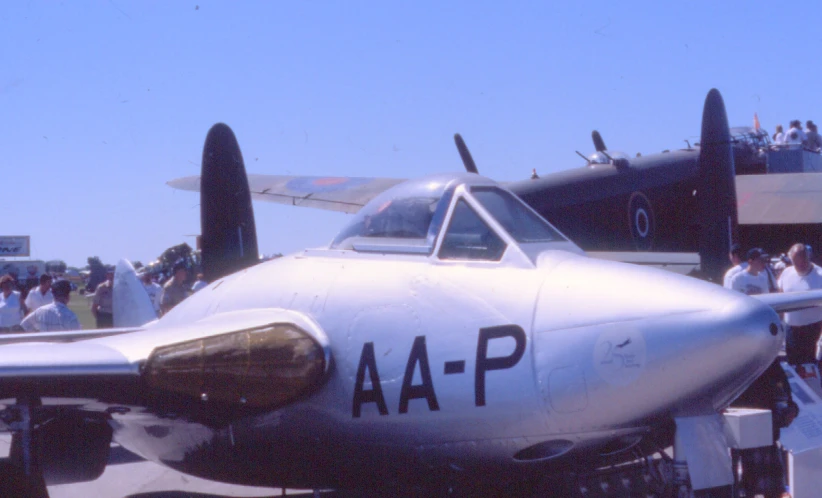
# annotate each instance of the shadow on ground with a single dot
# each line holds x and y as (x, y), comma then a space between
(183, 494)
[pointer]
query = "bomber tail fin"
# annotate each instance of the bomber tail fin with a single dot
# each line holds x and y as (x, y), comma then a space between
(717, 188)
(229, 236)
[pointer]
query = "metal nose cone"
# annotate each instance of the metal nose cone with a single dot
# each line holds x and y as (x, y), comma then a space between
(731, 347)
(649, 343)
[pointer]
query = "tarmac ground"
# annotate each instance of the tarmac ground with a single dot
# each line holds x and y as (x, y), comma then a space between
(127, 475)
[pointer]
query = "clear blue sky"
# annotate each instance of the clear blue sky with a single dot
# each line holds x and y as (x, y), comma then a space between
(104, 101)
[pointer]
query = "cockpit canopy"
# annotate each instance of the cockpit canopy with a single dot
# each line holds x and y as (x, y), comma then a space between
(752, 137)
(471, 214)
(607, 158)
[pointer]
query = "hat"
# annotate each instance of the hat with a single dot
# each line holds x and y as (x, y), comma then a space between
(109, 269)
(756, 253)
(61, 288)
(179, 265)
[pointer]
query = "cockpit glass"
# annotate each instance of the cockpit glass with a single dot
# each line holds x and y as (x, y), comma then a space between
(403, 213)
(468, 237)
(519, 221)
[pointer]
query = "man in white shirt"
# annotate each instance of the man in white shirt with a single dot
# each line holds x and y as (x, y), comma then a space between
(154, 290)
(779, 136)
(738, 265)
(11, 311)
(754, 279)
(795, 135)
(40, 295)
(805, 325)
(55, 316)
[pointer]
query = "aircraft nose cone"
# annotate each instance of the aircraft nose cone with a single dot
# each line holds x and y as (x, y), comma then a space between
(648, 343)
(730, 348)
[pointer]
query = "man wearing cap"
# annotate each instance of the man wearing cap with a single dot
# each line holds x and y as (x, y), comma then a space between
(738, 265)
(102, 306)
(40, 295)
(754, 279)
(175, 290)
(55, 316)
(805, 325)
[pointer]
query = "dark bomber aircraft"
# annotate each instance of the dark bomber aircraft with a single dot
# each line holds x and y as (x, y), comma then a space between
(666, 202)
(646, 209)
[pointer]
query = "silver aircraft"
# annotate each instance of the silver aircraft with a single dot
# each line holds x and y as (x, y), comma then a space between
(448, 338)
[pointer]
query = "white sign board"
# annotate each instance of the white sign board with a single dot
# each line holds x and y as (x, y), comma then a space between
(15, 246)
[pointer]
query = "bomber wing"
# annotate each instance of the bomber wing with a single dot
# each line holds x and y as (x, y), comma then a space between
(345, 194)
(677, 262)
(779, 199)
(792, 301)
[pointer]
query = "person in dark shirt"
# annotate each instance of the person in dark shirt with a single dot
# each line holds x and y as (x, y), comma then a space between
(176, 289)
(813, 140)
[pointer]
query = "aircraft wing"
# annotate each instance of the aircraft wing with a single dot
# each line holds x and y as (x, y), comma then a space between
(677, 262)
(70, 336)
(346, 194)
(124, 364)
(791, 301)
(59, 360)
(779, 199)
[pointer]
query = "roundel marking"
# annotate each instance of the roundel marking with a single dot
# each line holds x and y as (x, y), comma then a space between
(641, 221)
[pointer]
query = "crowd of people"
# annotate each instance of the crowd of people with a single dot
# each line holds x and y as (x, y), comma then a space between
(808, 138)
(175, 289)
(42, 307)
(752, 274)
(41, 304)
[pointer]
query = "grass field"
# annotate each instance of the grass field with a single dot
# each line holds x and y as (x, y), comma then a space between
(81, 306)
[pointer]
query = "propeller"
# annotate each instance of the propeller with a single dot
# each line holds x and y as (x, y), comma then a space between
(599, 143)
(229, 241)
(717, 193)
(465, 154)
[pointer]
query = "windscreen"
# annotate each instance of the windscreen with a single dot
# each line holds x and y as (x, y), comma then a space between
(404, 212)
(516, 218)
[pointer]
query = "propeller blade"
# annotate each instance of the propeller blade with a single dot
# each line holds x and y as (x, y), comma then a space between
(717, 195)
(467, 160)
(229, 241)
(599, 143)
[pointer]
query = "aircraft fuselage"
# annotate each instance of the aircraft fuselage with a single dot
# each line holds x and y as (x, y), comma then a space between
(649, 205)
(445, 369)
